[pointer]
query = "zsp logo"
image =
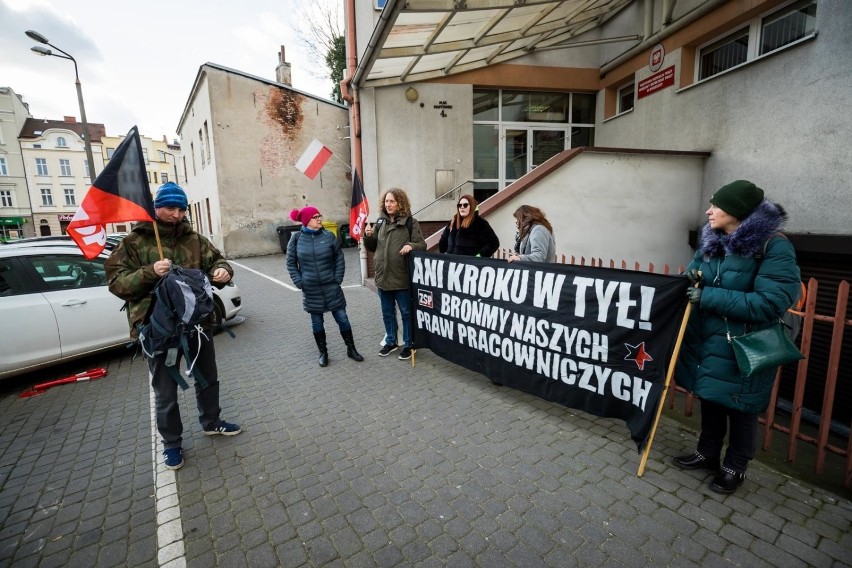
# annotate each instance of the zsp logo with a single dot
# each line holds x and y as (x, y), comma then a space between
(424, 298)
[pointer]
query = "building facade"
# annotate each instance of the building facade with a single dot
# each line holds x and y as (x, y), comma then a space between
(57, 170)
(15, 211)
(241, 136)
(491, 92)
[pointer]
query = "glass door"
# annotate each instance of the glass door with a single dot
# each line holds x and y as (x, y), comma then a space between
(545, 145)
(527, 148)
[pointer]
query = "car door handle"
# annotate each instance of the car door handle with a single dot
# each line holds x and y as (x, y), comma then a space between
(71, 303)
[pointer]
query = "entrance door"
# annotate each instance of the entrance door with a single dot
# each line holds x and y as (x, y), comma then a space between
(527, 148)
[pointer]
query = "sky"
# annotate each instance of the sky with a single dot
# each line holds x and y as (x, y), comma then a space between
(138, 61)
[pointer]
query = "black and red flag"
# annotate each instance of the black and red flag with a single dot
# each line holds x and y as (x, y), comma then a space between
(359, 209)
(119, 194)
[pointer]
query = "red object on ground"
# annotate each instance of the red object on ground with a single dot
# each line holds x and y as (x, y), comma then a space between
(91, 375)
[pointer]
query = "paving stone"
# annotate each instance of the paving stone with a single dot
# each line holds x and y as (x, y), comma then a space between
(376, 464)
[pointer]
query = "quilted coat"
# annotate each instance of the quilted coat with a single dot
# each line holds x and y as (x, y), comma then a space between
(751, 293)
(316, 265)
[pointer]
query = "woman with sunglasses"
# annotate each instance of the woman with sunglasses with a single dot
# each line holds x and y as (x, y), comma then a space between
(316, 265)
(534, 242)
(469, 234)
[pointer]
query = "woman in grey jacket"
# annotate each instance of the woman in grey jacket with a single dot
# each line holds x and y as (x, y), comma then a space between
(316, 265)
(535, 242)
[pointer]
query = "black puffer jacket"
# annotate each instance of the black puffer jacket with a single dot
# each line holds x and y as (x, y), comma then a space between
(316, 265)
(478, 239)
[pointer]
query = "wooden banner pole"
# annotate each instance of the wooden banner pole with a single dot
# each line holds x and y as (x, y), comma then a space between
(157, 236)
(663, 394)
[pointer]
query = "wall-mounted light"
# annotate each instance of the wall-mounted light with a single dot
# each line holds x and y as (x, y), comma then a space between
(411, 94)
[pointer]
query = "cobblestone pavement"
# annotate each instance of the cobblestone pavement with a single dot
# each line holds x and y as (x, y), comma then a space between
(370, 464)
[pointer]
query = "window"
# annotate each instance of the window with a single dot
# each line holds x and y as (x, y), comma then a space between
(761, 36)
(110, 152)
(192, 152)
(3, 170)
(65, 167)
(626, 98)
(207, 140)
(64, 272)
(787, 26)
(86, 168)
(60, 142)
(515, 131)
(69, 196)
(145, 155)
(36, 146)
(154, 175)
(46, 197)
(380, 4)
(41, 167)
(201, 148)
(724, 54)
(164, 176)
(6, 198)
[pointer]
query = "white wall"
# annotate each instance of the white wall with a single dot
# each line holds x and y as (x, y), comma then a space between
(633, 207)
(781, 122)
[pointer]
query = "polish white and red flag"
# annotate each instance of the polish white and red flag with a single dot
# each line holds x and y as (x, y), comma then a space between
(313, 159)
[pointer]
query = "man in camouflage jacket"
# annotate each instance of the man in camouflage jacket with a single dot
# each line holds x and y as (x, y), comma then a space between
(133, 270)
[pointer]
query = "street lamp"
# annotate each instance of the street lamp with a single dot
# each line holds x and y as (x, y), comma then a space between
(44, 51)
(174, 160)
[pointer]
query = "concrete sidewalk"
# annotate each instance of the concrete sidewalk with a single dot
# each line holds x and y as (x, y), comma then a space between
(371, 464)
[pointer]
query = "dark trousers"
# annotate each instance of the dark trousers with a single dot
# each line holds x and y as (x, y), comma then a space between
(741, 427)
(165, 388)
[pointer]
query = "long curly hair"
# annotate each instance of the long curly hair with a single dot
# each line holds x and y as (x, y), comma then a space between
(401, 200)
(459, 222)
(527, 216)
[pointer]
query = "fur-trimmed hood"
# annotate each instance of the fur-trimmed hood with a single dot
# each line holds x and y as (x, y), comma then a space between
(766, 220)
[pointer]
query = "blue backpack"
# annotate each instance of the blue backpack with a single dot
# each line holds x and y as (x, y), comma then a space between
(182, 301)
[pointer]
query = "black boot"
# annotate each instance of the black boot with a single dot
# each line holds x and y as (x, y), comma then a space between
(323, 348)
(727, 481)
(696, 461)
(351, 352)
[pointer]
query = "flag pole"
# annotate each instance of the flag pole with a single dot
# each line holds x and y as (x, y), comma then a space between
(333, 155)
(157, 236)
(663, 394)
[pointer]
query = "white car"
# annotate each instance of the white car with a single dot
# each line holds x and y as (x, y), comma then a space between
(55, 306)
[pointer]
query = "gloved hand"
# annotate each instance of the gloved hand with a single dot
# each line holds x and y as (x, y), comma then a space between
(694, 295)
(694, 276)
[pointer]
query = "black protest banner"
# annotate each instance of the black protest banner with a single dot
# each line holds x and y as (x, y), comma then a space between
(596, 339)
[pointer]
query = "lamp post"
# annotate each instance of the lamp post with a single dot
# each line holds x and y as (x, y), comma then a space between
(174, 161)
(44, 51)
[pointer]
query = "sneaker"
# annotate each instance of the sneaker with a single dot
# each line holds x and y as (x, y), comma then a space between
(387, 350)
(173, 458)
(405, 354)
(225, 429)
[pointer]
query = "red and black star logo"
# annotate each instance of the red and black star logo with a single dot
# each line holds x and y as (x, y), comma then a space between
(638, 355)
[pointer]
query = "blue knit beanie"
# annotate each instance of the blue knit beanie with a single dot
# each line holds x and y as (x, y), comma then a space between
(171, 195)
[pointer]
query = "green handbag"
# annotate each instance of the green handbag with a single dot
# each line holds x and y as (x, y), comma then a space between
(763, 349)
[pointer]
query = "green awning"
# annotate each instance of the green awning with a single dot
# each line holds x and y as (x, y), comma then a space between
(13, 221)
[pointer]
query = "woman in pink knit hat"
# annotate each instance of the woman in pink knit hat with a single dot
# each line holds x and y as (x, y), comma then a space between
(316, 265)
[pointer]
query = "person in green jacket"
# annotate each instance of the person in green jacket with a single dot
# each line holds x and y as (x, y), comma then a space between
(744, 277)
(132, 270)
(395, 235)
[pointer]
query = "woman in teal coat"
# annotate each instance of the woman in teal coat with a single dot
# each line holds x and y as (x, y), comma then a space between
(747, 278)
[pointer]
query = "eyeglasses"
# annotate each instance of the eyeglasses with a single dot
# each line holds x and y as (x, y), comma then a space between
(463, 205)
(317, 216)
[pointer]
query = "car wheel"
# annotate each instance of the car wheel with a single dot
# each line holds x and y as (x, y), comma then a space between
(218, 315)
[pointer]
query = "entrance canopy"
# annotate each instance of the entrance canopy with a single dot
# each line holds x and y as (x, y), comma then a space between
(423, 39)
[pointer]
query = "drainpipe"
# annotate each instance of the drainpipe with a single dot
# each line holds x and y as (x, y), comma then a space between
(665, 32)
(351, 98)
